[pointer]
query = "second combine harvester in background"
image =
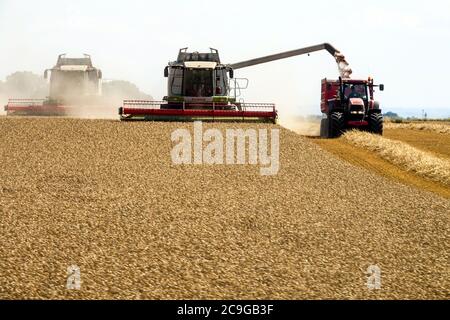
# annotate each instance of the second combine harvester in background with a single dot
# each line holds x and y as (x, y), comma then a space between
(74, 84)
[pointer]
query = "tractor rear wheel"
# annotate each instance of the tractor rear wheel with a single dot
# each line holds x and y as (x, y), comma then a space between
(324, 128)
(337, 124)
(376, 123)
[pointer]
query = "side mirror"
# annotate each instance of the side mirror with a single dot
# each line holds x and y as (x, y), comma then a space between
(381, 87)
(46, 74)
(166, 72)
(231, 73)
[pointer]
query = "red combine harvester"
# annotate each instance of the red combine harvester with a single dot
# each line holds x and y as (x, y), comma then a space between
(73, 81)
(200, 87)
(349, 104)
(200, 111)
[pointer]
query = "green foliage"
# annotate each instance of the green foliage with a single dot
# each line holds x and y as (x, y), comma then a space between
(391, 115)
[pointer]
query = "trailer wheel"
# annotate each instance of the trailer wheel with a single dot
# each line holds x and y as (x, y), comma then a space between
(337, 124)
(376, 123)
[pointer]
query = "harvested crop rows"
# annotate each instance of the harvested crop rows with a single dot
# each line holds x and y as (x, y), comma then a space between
(423, 163)
(104, 195)
(426, 140)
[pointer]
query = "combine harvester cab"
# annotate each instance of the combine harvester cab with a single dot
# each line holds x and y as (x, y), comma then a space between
(349, 104)
(73, 81)
(199, 88)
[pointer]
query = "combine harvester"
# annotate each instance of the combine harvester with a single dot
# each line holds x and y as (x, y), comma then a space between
(74, 82)
(200, 87)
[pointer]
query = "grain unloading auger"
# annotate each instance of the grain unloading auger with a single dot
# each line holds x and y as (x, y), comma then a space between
(74, 82)
(200, 87)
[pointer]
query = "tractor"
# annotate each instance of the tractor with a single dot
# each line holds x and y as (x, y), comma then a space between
(349, 104)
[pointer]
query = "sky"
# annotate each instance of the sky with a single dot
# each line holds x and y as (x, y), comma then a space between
(403, 44)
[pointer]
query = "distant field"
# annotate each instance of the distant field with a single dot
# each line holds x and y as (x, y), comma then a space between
(432, 126)
(422, 139)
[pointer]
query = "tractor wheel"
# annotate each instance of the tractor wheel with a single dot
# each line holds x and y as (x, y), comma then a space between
(324, 128)
(376, 123)
(337, 124)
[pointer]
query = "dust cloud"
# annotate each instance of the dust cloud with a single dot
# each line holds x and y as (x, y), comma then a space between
(305, 126)
(3, 102)
(22, 85)
(105, 105)
(97, 108)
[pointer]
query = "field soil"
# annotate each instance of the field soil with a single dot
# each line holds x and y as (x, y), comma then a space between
(105, 196)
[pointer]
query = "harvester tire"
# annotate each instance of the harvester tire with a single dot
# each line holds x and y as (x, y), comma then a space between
(337, 124)
(376, 123)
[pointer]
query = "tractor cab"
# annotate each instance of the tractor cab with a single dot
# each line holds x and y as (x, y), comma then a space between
(355, 90)
(355, 98)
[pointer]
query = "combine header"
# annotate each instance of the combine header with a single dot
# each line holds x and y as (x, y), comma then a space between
(201, 111)
(73, 81)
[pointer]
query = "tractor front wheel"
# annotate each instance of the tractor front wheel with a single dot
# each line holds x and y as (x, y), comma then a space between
(376, 123)
(337, 124)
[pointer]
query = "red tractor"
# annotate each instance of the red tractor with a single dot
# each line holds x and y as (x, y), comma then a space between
(349, 104)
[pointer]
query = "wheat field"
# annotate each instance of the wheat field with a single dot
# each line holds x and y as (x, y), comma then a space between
(105, 196)
(438, 127)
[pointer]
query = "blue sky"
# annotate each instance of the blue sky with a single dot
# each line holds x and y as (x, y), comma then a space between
(403, 44)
